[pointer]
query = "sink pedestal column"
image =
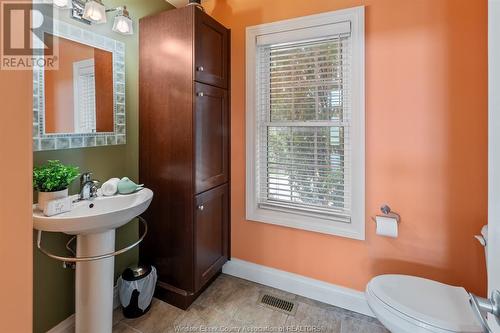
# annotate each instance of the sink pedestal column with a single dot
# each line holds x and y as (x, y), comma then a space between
(94, 283)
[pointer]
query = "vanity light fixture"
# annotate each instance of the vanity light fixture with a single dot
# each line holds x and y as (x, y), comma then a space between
(94, 12)
(123, 22)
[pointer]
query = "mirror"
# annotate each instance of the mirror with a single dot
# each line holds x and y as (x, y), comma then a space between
(81, 103)
(79, 95)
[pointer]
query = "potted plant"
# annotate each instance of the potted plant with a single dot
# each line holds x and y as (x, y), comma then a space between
(52, 180)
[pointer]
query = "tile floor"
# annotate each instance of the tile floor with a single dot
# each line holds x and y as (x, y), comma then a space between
(229, 305)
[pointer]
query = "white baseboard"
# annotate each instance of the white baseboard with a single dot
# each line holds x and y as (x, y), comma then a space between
(342, 297)
(68, 324)
(65, 326)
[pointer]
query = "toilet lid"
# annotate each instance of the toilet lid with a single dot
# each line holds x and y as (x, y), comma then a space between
(430, 302)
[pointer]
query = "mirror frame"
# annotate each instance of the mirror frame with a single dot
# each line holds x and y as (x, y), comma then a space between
(54, 141)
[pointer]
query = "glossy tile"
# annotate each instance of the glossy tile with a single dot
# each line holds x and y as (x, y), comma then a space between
(341, 311)
(117, 316)
(227, 295)
(230, 305)
(353, 325)
(123, 328)
(160, 318)
(200, 318)
(260, 317)
(318, 318)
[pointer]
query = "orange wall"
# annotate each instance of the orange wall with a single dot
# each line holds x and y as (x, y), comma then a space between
(16, 228)
(59, 113)
(426, 143)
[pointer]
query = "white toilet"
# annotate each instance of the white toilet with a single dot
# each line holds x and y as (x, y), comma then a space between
(410, 304)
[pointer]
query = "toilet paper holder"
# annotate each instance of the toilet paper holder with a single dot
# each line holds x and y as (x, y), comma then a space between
(387, 212)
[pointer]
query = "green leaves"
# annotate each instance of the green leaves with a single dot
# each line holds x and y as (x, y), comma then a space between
(54, 176)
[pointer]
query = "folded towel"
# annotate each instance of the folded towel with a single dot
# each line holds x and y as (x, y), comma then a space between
(110, 187)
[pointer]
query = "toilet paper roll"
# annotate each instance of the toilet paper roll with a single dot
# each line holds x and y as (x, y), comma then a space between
(386, 226)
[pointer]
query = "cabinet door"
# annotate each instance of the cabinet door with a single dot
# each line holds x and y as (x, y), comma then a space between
(211, 233)
(211, 51)
(212, 137)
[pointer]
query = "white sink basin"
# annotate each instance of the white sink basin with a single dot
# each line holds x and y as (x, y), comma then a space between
(97, 215)
(94, 223)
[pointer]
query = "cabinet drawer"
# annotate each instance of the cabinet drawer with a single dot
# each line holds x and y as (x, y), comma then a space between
(211, 233)
(211, 137)
(211, 51)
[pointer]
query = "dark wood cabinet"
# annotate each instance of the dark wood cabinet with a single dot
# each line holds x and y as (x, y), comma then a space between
(211, 233)
(184, 149)
(212, 137)
(211, 52)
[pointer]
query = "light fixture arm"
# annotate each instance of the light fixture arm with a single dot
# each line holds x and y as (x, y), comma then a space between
(122, 9)
(122, 24)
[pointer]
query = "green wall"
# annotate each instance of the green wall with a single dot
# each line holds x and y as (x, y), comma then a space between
(54, 285)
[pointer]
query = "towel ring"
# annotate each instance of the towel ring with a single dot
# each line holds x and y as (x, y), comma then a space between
(92, 258)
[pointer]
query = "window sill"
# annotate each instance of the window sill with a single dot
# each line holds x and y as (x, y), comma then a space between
(353, 230)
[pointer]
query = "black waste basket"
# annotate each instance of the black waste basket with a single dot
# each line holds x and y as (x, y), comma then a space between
(136, 287)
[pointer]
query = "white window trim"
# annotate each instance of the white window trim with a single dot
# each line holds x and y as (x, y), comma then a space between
(355, 229)
(86, 66)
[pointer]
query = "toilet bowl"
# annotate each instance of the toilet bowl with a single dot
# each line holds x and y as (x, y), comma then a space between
(410, 304)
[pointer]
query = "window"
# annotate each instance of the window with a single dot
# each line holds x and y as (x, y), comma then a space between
(305, 123)
(84, 96)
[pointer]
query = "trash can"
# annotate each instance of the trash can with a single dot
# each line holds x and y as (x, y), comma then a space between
(136, 287)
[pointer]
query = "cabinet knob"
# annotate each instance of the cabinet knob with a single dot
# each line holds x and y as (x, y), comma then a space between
(201, 207)
(201, 94)
(200, 69)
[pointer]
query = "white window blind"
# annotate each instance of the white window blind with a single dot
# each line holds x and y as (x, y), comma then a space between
(86, 114)
(304, 112)
(305, 131)
(84, 95)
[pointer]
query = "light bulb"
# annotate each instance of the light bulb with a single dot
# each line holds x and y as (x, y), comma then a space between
(122, 26)
(94, 11)
(61, 3)
(95, 15)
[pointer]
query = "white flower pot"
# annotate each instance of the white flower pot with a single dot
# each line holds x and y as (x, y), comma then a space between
(45, 197)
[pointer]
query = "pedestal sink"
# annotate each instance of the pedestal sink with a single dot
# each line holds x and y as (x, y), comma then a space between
(94, 223)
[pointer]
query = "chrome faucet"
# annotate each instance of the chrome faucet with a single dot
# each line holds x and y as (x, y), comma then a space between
(88, 187)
